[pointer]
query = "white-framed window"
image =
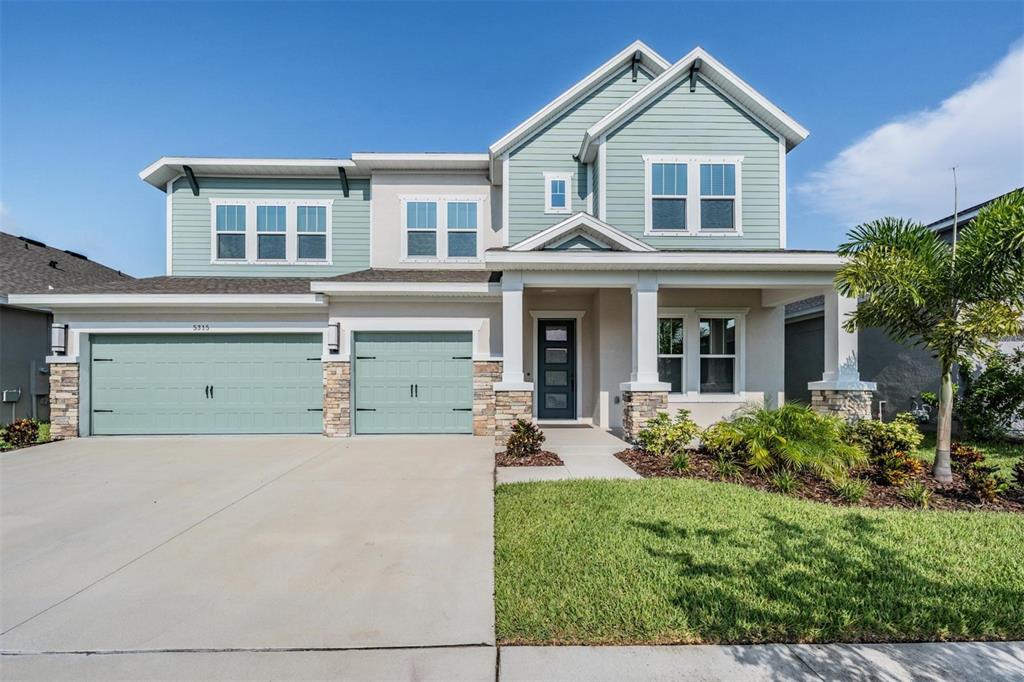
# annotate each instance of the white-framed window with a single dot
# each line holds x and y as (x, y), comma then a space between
(271, 231)
(558, 192)
(718, 368)
(671, 344)
(692, 195)
(441, 228)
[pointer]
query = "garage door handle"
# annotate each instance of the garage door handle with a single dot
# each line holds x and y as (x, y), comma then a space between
(366, 409)
(462, 357)
(102, 410)
(314, 409)
(103, 359)
(462, 409)
(416, 388)
(366, 357)
(207, 387)
(211, 391)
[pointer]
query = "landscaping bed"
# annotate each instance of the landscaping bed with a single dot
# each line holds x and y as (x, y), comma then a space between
(954, 496)
(544, 458)
(665, 561)
(24, 433)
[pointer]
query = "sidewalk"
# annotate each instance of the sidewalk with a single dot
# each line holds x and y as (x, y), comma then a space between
(586, 451)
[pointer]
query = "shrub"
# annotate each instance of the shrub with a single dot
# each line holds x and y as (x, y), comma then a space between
(994, 397)
(681, 461)
(851, 490)
(983, 482)
(525, 439)
(44, 433)
(727, 469)
(720, 440)
(1018, 473)
(784, 481)
(896, 468)
(962, 456)
(22, 432)
(794, 437)
(918, 493)
(879, 438)
(663, 435)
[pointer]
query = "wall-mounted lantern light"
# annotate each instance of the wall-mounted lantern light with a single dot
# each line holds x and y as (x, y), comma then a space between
(59, 339)
(334, 338)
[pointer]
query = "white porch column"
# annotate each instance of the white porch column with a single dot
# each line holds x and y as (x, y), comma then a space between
(840, 389)
(644, 371)
(512, 334)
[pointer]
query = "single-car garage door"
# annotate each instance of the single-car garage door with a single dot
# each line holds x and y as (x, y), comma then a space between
(206, 383)
(413, 382)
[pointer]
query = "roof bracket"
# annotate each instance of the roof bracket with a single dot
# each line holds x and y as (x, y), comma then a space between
(344, 181)
(634, 62)
(693, 74)
(192, 182)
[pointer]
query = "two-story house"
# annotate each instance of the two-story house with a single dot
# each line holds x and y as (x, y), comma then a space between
(620, 252)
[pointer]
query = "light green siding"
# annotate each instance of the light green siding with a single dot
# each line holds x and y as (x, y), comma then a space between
(552, 150)
(413, 382)
(191, 239)
(198, 383)
(701, 122)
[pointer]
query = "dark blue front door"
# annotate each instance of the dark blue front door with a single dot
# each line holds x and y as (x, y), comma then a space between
(556, 369)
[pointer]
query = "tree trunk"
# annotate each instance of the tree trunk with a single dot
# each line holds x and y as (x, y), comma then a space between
(944, 430)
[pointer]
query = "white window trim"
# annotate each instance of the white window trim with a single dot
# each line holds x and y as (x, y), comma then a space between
(693, 195)
(691, 353)
(442, 228)
(548, 208)
(291, 231)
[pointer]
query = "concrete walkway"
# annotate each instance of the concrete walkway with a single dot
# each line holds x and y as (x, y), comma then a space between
(586, 451)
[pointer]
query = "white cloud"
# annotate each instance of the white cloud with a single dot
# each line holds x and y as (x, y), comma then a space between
(902, 167)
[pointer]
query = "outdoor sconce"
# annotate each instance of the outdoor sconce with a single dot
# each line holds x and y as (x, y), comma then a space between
(59, 339)
(334, 338)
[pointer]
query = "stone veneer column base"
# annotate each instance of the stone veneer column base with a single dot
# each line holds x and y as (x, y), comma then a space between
(638, 407)
(508, 407)
(485, 374)
(337, 399)
(64, 399)
(852, 405)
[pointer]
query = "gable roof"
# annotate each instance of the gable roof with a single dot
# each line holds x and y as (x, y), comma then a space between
(650, 59)
(596, 231)
(29, 266)
(713, 71)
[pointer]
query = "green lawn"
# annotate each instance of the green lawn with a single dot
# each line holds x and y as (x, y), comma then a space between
(681, 561)
(1003, 455)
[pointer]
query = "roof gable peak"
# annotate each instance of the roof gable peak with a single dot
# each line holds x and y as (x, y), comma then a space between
(582, 231)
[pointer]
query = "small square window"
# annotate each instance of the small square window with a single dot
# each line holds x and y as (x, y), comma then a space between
(556, 192)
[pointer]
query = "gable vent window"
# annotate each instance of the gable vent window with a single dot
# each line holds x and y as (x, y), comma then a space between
(270, 233)
(668, 196)
(556, 193)
(230, 232)
(311, 222)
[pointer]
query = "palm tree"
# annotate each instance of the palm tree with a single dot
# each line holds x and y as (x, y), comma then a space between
(957, 300)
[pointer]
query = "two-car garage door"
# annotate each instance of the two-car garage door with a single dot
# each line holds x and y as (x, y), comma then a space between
(402, 382)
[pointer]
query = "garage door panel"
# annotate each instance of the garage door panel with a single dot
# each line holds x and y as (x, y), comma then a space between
(262, 383)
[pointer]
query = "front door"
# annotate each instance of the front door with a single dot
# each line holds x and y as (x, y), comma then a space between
(556, 369)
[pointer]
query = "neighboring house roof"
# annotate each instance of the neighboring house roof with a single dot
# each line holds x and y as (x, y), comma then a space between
(808, 306)
(711, 70)
(30, 266)
(965, 216)
(597, 233)
(647, 57)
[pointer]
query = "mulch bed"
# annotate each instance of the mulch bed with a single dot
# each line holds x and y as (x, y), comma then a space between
(947, 497)
(543, 458)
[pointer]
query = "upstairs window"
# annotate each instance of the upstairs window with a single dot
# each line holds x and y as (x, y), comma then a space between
(718, 355)
(271, 229)
(718, 180)
(556, 193)
(668, 196)
(311, 223)
(421, 228)
(230, 232)
(462, 229)
(670, 352)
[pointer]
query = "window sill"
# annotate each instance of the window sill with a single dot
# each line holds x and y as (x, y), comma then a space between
(243, 261)
(693, 233)
(440, 260)
(557, 211)
(696, 397)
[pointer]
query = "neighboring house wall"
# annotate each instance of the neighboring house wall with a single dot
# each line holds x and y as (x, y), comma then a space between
(552, 150)
(192, 229)
(387, 230)
(697, 123)
(24, 338)
(805, 356)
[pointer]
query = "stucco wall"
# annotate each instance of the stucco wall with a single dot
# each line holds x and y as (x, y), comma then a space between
(388, 188)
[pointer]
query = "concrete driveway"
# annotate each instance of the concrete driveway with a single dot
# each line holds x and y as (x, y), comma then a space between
(239, 543)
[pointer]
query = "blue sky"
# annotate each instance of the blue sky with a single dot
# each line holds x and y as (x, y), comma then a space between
(892, 93)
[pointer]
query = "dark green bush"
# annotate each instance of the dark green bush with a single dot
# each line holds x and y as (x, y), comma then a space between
(525, 440)
(720, 441)
(1018, 473)
(896, 468)
(681, 461)
(663, 435)
(879, 438)
(962, 456)
(994, 397)
(22, 432)
(727, 469)
(983, 482)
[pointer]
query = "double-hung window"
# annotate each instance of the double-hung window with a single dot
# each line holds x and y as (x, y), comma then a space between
(271, 233)
(670, 352)
(311, 225)
(692, 195)
(557, 197)
(668, 196)
(717, 355)
(229, 229)
(440, 228)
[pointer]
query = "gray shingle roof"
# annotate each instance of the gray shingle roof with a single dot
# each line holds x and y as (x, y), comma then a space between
(195, 285)
(806, 305)
(30, 267)
(413, 276)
